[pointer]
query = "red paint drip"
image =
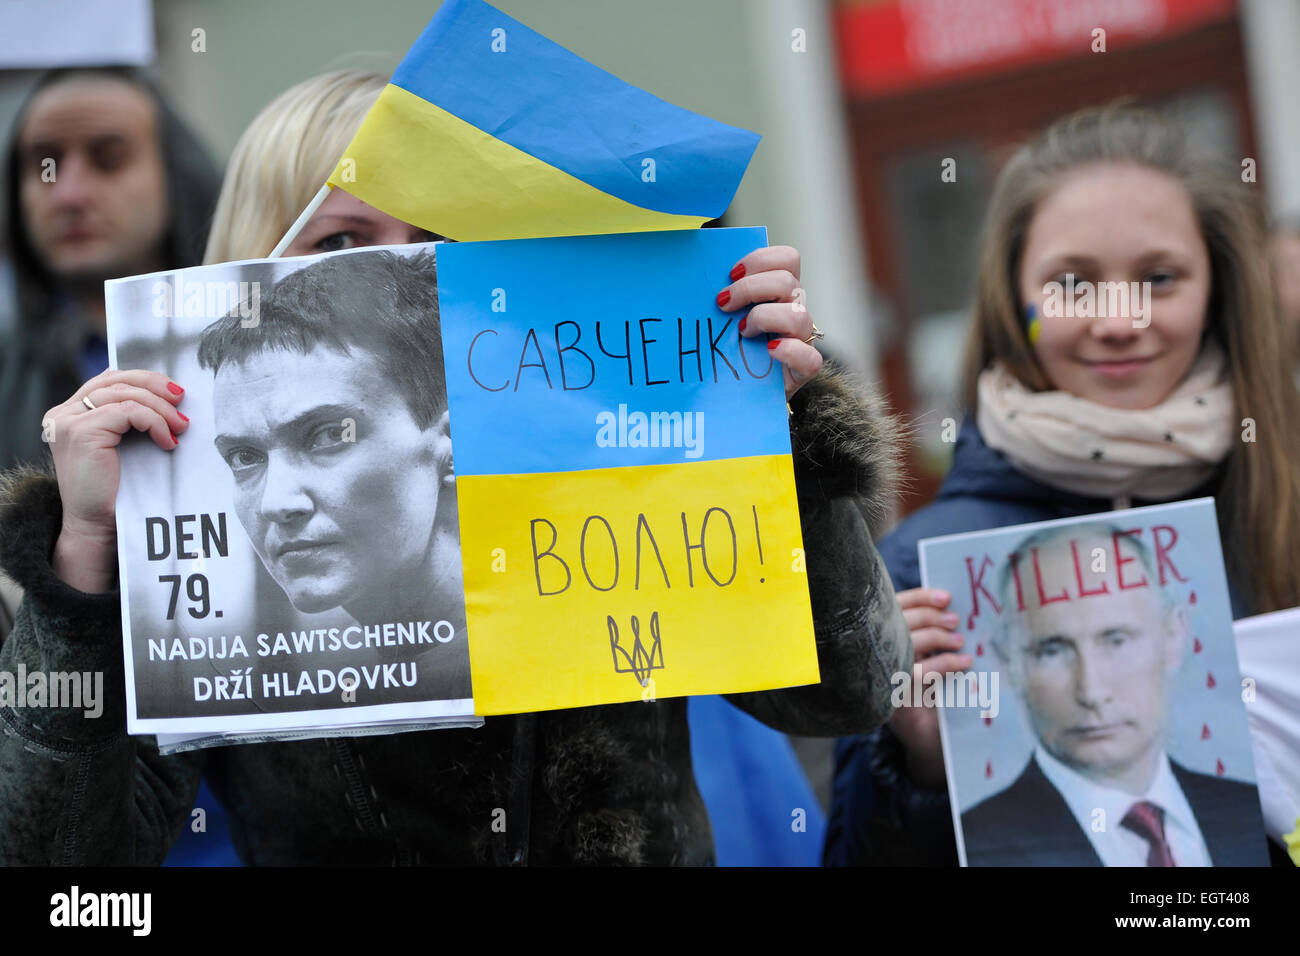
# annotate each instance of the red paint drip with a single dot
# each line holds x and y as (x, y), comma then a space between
(1218, 768)
(988, 770)
(1210, 681)
(1205, 731)
(1197, 646)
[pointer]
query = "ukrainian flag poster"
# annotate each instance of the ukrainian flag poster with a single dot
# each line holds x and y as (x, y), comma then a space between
(629, 526)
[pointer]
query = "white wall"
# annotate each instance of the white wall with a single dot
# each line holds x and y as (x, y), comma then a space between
(1271, 34)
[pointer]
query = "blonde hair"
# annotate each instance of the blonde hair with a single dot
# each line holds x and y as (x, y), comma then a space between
(283, 158)
(1258, 501)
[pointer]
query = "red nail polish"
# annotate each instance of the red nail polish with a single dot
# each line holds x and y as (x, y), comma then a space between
(184, 417)
(175, 440)
(175, 389)
(743, 323)
(738, 271)
(724, 297)
(771, 346)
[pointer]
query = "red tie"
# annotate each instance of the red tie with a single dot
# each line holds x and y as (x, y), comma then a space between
(1148, 821)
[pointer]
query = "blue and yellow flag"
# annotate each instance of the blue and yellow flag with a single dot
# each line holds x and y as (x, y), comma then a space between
(628, 520)
(488, 130)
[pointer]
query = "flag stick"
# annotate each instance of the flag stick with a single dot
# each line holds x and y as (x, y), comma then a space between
(301, 221)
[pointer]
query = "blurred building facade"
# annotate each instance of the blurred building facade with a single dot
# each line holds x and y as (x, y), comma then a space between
(964, 82)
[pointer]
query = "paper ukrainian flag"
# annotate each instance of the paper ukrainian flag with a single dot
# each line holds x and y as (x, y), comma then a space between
(628, 519)
(488, 130)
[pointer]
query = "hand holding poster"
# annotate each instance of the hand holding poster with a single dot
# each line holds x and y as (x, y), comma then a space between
(623, 465)
(1103, 721)
(354, 542)
(295, 561)
(622, 482)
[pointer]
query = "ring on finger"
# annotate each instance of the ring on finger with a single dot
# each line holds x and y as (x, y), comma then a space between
(85, 400)
(815, 334)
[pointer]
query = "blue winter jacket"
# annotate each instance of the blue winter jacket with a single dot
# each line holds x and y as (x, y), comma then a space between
(878, 817)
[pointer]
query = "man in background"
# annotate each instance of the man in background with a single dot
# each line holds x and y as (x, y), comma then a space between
(102, 180)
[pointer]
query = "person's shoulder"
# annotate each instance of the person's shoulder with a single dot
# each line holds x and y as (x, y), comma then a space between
(1007, 804)
(992, 829)
(981, 491)
(1222, 787)
(948, 514)
(1229, 816)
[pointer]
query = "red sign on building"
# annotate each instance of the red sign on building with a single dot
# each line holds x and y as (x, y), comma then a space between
(898, 45)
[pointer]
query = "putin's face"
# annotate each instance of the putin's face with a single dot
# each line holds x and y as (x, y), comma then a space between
(1095, 670)
(335, 483)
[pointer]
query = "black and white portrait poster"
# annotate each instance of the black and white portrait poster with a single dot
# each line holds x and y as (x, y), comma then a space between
(294, 562)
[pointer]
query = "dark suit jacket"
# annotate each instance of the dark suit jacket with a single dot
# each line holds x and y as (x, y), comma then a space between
(1030, 824)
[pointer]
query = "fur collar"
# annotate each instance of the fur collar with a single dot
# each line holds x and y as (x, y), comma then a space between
(846, 443)
(31, 514)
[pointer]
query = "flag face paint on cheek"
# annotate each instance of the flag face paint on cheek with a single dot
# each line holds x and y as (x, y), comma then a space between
(1034, 324)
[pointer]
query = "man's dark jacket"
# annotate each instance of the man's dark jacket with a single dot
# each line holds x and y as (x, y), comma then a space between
(594, 785)
(38, 370)
(1030, 824)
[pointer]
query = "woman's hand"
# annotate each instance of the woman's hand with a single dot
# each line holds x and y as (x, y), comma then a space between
(84, 444)
(769, 277)
(934, 646)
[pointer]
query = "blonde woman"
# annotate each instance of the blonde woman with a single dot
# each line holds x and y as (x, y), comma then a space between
(1106, 194)
(305, 129)
(591, 785)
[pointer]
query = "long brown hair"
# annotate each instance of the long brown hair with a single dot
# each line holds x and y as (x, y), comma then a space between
(1258, 502)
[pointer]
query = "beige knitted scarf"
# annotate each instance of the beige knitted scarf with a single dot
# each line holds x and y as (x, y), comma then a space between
(1090, 449)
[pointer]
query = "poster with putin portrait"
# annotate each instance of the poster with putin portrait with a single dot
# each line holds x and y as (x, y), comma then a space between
(291, 560)
(1103, 720)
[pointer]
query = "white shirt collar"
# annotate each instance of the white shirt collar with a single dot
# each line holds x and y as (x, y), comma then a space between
(1084, 797)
